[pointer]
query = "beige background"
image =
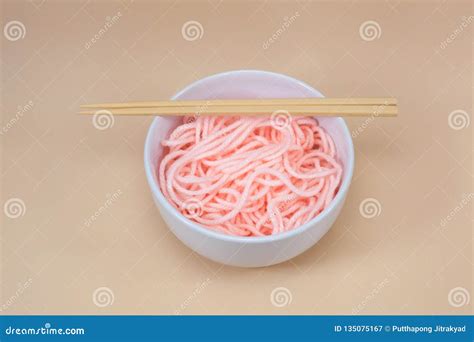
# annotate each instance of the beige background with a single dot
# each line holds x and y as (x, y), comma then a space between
(406, 260)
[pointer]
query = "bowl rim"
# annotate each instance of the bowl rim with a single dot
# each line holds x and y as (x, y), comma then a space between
(152, 181)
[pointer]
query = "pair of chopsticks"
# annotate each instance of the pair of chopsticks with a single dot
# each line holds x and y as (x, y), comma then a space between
(348, 107)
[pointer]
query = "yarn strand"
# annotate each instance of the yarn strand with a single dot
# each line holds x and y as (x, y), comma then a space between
(247, 176)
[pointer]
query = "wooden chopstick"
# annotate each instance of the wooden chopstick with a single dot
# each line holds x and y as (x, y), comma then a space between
(387, 101)
(304, 106)
(257, 110)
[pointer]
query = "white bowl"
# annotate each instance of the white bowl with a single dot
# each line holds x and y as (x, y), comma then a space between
(247, 251)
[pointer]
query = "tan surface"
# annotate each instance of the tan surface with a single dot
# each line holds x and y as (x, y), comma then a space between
(404, 261)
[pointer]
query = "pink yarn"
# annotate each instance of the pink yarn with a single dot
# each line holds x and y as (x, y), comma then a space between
(249, 176)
